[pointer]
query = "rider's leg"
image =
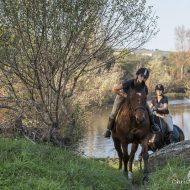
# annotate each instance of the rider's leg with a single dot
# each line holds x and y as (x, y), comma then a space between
(154, 126)
(168, 120)
(118, 100)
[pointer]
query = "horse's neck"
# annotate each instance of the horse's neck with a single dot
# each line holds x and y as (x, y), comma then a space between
(126, 103)
(127, 108)
(138, 86)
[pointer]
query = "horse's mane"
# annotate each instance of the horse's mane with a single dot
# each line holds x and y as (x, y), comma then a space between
(135, 88)
(138, 87)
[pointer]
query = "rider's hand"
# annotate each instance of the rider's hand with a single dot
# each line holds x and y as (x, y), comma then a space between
(154, 109)
(121, 93)
(125, 95)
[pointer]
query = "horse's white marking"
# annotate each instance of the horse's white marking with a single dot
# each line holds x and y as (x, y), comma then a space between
(138, 93)
(121, 172)
(130, 175)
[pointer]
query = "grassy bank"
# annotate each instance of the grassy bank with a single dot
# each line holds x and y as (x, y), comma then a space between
(173, 176)
(24, 165)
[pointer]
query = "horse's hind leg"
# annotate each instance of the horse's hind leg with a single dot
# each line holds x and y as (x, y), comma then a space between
(131, 158)
(117, 145)
(145, 156)
(181, 134)
(125, 157)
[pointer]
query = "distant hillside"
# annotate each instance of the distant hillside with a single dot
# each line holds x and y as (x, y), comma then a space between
(145, 52)
(152, 52)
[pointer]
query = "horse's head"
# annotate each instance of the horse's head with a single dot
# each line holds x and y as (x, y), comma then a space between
(137, 104)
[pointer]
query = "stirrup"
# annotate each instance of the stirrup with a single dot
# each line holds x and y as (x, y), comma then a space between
(155, 128)
(171, 138)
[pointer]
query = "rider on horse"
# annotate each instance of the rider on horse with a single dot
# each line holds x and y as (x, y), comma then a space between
(121, 90)
(160, 106)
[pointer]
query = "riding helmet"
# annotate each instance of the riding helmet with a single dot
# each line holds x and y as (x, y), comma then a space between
(143, 71)
(159, 87)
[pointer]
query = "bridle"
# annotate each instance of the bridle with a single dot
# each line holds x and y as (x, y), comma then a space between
(138, 107)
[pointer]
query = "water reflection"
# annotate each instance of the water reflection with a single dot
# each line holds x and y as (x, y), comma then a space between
(180, 115)
(95, 145)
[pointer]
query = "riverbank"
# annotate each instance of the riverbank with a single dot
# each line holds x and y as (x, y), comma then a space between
(174, 175)
(174, 95)
(25, 166)
(109, 101)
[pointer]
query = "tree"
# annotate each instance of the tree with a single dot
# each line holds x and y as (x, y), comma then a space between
(47, 45)
(183, 47)
(160, 72)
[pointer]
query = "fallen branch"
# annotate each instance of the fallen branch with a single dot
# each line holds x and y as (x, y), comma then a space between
(29, 139)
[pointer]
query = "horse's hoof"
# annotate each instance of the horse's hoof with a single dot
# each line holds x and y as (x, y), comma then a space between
(145, 180)
(130, 175)
(120, 172)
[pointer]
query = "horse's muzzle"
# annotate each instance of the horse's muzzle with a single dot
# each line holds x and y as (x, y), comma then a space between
(140, 119)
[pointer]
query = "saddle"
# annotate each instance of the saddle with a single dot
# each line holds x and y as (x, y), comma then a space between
(164, 129)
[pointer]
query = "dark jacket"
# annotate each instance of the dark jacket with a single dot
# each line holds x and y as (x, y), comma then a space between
(160, 103)
(127, 84)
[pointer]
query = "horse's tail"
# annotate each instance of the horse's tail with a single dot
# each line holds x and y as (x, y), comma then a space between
(181, 134)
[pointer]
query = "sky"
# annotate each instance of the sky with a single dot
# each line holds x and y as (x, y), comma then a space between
(171, 13)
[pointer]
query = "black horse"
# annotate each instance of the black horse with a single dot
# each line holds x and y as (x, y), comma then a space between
(160, 139)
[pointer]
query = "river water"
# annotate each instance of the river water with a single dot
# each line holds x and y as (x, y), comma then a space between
(95, 145)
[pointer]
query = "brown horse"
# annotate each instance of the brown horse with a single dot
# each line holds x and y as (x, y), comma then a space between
(132, 125)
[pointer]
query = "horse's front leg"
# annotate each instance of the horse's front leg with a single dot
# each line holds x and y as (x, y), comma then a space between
(117, 146)
(145, 157)
(125, 157)
(131, 158)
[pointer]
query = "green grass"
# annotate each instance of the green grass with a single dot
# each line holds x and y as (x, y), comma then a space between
(172, 176)
(137, 178)
(24, 165)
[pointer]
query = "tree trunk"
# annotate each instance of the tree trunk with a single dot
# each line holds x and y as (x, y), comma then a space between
(182, 71)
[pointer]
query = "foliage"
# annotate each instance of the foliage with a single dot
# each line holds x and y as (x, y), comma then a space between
(47, 46)
(159, 72)
(96, 89)
(181, 58)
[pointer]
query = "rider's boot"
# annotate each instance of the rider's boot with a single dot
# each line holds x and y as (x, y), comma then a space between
(171, 137)
(110, 126)
(154, 126)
